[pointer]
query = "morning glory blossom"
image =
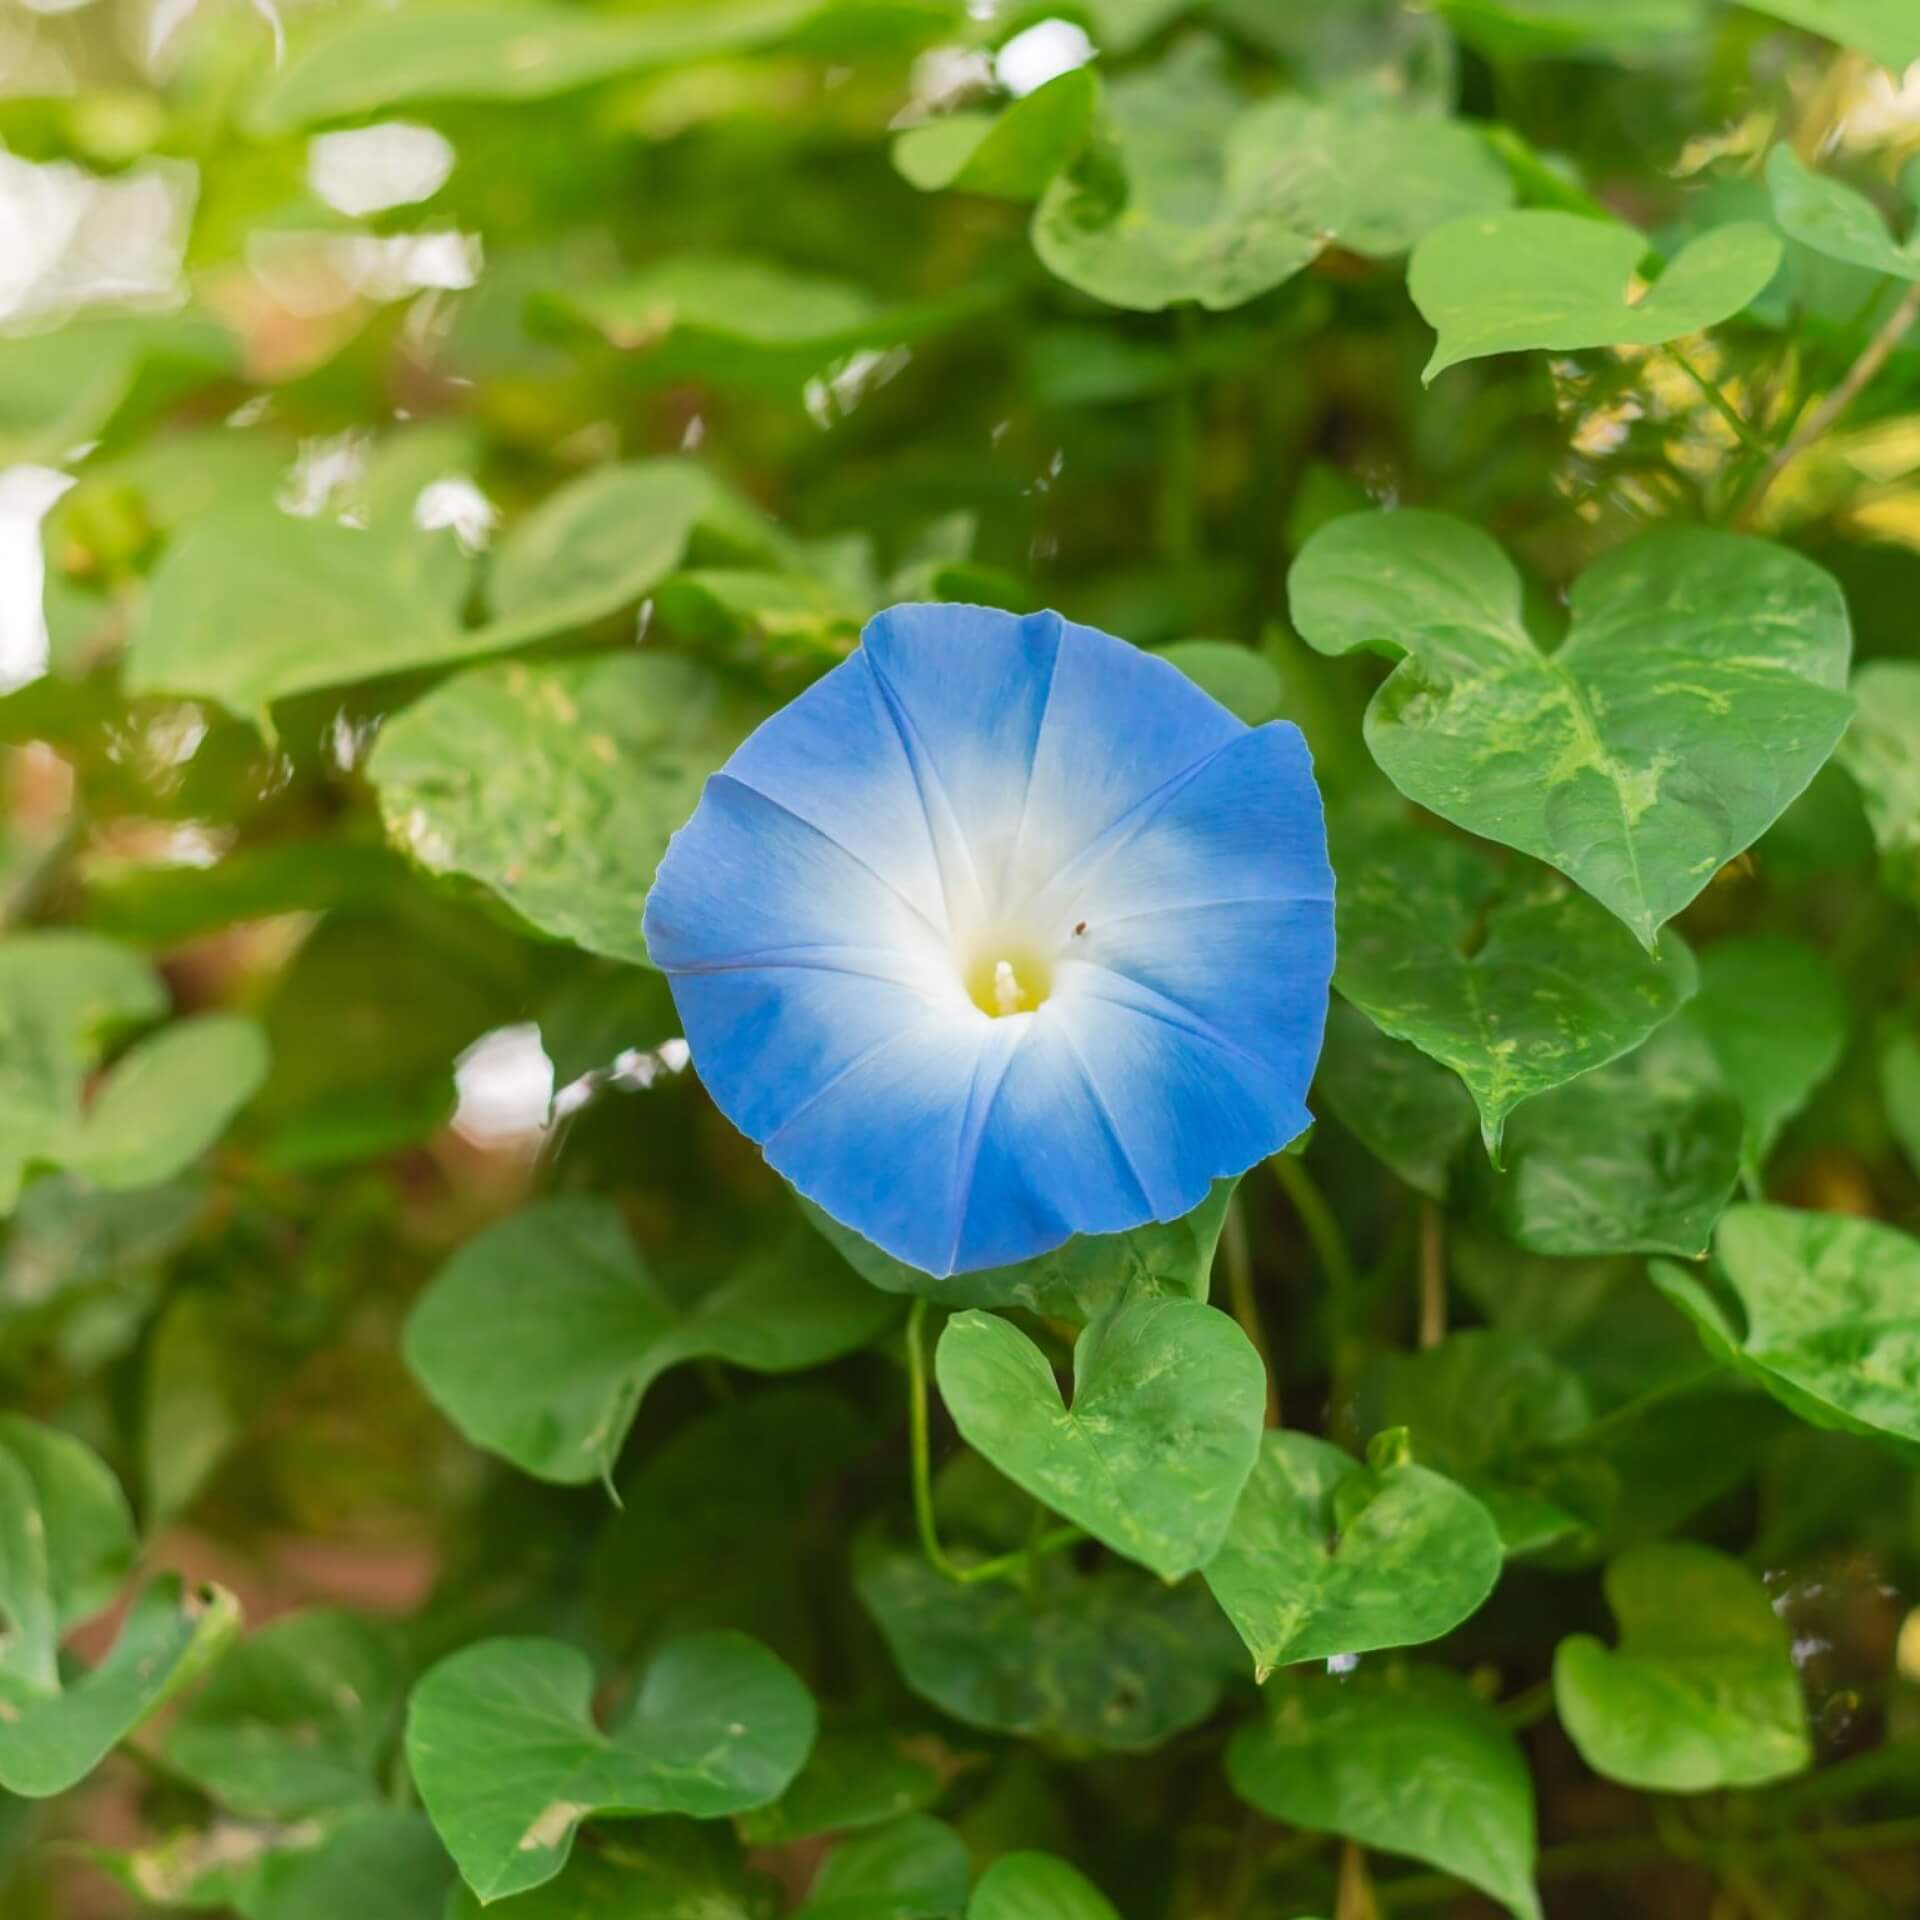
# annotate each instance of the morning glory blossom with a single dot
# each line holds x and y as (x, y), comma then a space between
(1003, 931)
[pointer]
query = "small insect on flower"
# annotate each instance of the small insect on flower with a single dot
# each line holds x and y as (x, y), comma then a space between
(1002, 932)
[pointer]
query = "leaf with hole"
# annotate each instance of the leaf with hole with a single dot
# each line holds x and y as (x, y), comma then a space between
(557, 784)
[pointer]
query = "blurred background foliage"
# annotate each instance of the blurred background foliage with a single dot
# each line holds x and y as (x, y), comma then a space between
(429, 437)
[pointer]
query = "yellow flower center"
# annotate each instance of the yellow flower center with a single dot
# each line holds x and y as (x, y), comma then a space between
(1008, 976)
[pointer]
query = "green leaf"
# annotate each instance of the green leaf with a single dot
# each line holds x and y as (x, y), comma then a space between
(1519, 985)
(1037, 1886)
(168, 1100)
(558, 784)
(661, 1870)
(250, 604)
(63, 387)
(1187, 193)
(66, 1544)
(1329, 1556)
(55, 1738)
(1536, 29)
(1640, 1156)
(1076, 1282)
(1881, 751)
(1833, 219)
(1010, 155)
(1163, 1431)
(1900, 1090)
(1515, 281)
(1699, 691)
(1769, 1062)
(1403, 1107)
(851, 1779)
(746, 321)
(1246, 683)
(1884, 30)
(1112, 1660)
(1484, 1406)
(382, 1865)
(600, 543)
(296, 1720)
(1828, 1317)
(540, 1336)
(508, 1760)
(914, 1869)
(481, 50)
(1699, 1693)
(1410, 1760)
(713, 1530)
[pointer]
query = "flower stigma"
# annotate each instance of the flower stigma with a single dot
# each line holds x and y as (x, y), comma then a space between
(1008, 977)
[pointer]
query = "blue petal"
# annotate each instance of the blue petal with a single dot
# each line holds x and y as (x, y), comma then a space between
(1036, 734)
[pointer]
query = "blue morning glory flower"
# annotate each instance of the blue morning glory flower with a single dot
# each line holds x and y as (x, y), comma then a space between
(1002, 932)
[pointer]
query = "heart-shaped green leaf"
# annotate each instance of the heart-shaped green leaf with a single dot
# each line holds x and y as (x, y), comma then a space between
(1407, 1759)
(1833, 219)
(296, 1720)
(539, 1337)
(1518, 987)
(1828, 1319)
(1403, 1107)
(1882, 752)
(1037, 1886)
(1700, 1692)
(66, 1544)
(1329, 1556)
(53, 1737)
(558, 784)
(1639, 1156)
(1010, 155)
(1770, 1064)
(1168, 1397)
(1701, 688)
(1077, 1281)
(508, 1760)
(1188, 193)
(1513, 281)
(1111, 1660)
(1884, 30)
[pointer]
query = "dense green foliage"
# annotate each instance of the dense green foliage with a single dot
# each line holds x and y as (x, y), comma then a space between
(431, 438)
